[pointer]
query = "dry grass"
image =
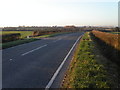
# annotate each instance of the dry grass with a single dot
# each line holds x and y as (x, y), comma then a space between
(111, 39)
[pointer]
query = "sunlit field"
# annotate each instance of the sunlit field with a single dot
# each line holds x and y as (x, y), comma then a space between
(23, 33)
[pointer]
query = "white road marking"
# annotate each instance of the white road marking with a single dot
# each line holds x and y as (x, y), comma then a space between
(13, 47)
(11, 59)
(33, 50)
(57, 40)
(61, 65)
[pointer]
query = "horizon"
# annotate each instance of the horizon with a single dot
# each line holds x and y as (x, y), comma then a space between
(63, 26)
(59, 13)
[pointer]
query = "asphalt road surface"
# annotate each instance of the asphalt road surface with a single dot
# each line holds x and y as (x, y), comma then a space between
(32, 65)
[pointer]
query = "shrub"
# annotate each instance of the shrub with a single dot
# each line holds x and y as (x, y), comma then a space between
(10, 37)
(111, 39)
(109, 45)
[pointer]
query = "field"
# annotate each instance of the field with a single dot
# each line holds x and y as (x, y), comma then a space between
(23, 33)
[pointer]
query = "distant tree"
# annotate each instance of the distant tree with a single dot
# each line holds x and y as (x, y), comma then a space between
(117, 29)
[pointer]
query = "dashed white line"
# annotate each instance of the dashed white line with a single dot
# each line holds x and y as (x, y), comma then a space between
(11, 59)
(33, 50)
(13, 47)
(56, 40)
(61, 65)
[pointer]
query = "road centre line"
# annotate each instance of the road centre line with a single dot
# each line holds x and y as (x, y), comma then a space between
(33, 50)
(61, 65)
(57, 40)
(37, 48)
(11, 59)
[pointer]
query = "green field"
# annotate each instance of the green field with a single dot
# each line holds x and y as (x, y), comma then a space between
(23, 33)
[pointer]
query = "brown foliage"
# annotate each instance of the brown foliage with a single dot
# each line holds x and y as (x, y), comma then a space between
(38, 33)
(111, 39)
(10, 37)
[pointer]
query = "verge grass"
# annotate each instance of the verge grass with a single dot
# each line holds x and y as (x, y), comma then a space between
(51, 35)
(84, 71)
(17, 42)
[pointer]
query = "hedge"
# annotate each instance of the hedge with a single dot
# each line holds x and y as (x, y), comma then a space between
(10, 37)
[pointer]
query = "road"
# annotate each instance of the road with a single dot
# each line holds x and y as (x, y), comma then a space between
(32, 65)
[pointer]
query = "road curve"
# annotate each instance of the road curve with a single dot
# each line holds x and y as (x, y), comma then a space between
(32, 65)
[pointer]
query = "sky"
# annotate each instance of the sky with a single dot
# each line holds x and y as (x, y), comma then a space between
(58, 12)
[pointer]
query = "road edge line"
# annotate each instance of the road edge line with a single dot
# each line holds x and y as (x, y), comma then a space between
(61, 65)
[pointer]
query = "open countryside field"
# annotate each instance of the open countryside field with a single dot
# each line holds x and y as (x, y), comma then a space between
(23, 33)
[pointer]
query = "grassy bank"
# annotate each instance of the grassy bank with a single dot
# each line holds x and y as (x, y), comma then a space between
(17, 42)
(85, 71)
(110, 39)
(108, 56)
(109, 45)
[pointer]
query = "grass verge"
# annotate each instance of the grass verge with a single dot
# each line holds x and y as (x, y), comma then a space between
(51, 35)
(85, 71)
(17, 42)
